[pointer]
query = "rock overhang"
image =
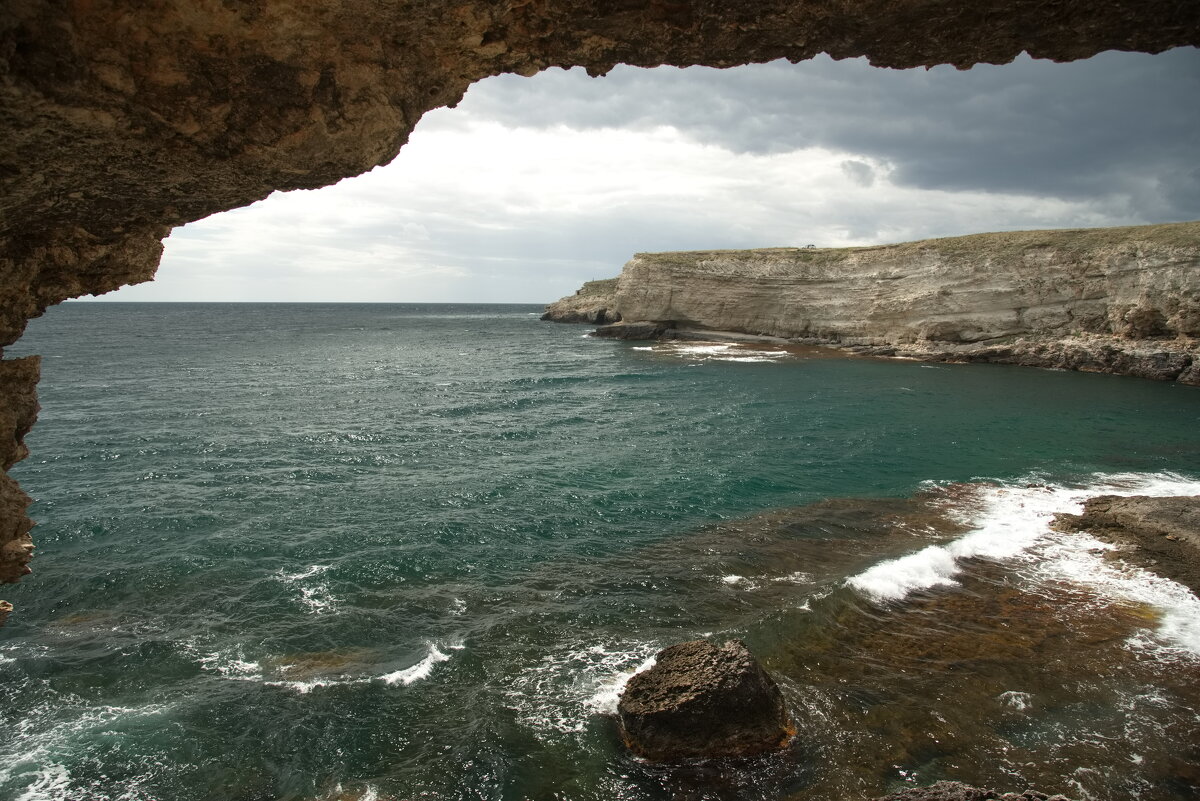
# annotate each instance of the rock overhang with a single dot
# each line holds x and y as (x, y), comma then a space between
(120, 122)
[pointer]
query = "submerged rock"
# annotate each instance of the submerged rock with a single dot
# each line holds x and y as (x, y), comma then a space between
(635, 331)
(703, 701)
(957, 791)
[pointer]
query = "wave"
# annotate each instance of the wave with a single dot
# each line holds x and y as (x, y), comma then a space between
(566, 690)
(1011, 522)
(715, 351)
(231, 663)
(422, 669)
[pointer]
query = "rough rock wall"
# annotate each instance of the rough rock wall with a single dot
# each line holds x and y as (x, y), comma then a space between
(18, 411)
(119, 120)
(1136, 283)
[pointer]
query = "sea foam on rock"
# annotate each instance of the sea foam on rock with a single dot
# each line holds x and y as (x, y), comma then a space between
(700, 700)
(1163, 533)
(957, 791)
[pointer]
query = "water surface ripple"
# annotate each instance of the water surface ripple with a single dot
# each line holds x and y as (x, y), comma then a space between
(392, 552)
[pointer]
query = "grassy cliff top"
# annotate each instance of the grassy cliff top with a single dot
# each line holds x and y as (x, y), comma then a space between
(603, 287)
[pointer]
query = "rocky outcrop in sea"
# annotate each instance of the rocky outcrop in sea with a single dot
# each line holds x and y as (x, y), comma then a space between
(700, 700)
(1112, 300)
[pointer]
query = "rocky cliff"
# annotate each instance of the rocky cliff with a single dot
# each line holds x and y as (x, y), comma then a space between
(1123, 300)
(594, 302)
(119, 121)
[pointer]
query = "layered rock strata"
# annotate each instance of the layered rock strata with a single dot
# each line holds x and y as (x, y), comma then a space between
(120, 121)
(701, 701)
(1118, 300)
(1161, 534)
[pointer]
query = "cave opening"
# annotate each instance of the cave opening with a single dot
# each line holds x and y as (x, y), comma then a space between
(115, 733)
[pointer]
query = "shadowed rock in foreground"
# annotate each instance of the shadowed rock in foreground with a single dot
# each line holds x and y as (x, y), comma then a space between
(703, 701)
(1163, 534)
(955, 791)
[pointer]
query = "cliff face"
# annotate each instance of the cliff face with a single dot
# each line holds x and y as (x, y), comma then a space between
(1113, 299)
(119, 121)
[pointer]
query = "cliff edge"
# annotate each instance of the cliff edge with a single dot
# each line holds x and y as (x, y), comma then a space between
(1118, 300)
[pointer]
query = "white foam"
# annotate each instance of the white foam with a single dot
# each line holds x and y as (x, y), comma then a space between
(794, 578)
(369, 793)
(229, 663)
(318, 598)
(715, 351)
(49, 782)
(1012, 522)
(895, 579)
(563, 693)
(315, 598)
(308, 572)
(1079, 559)
(740, 581)
(608, 692)
(1017, 700)
(306, 687)
(49, 731)
(422, 669)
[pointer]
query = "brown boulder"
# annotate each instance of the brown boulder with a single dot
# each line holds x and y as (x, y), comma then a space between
(703, 701)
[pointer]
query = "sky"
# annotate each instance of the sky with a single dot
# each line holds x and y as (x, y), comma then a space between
(532, 186)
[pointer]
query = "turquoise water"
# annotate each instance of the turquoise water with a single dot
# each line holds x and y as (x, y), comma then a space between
(381, 551)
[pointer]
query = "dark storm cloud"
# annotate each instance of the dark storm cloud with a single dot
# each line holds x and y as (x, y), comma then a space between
(1122, 127)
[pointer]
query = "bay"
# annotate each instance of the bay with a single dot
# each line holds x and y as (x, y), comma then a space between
(299, 551)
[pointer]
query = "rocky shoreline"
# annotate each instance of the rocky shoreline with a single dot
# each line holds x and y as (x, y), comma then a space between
(1119, 300)
(1175, 360)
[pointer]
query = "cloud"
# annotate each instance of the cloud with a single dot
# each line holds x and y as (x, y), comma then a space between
(859, 172)
(1118, 124)
(533, 185)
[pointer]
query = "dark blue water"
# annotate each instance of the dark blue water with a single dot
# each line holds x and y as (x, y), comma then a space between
(381, 551)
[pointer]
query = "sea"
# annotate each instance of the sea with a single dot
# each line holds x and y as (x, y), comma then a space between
(302, 552)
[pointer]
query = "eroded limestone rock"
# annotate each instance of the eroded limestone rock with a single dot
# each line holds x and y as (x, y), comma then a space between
(703, 701)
